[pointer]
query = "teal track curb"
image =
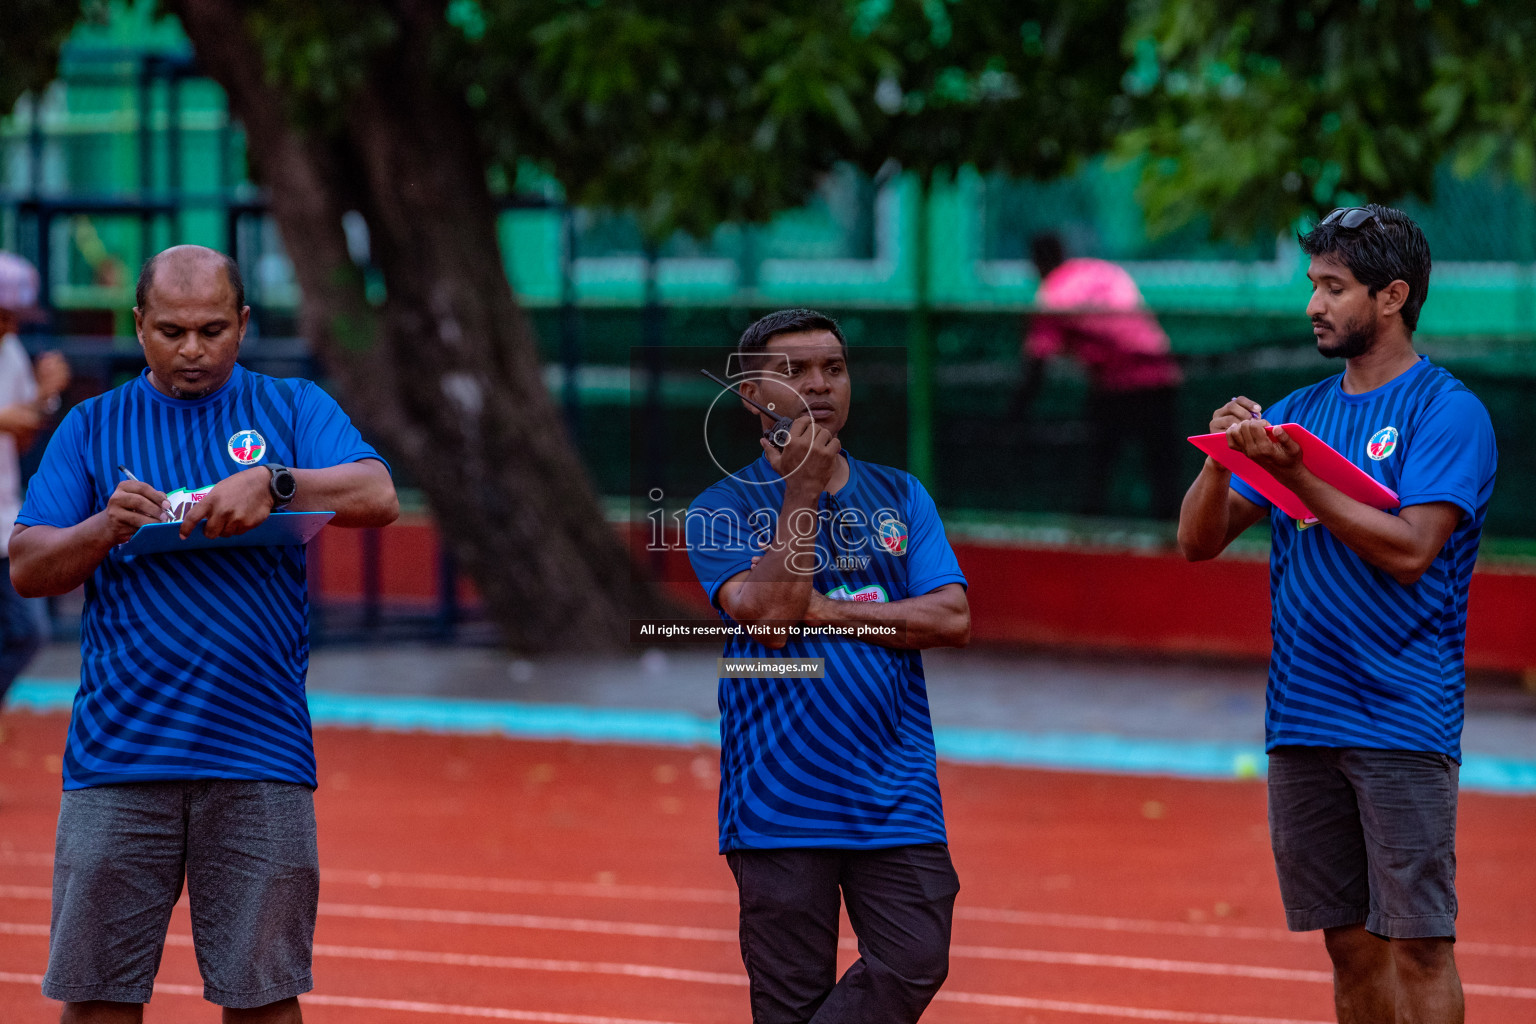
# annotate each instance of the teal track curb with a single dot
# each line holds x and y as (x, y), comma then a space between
(1087, 752)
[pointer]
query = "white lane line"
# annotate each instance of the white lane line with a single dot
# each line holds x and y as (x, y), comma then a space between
(737, 980)
(1100, 1010)
(1003, 953)
(1138, 963)
(521, 963)
(675, 894)
(13, 928)
(1092, 922)
(536, 921)
(463, 883)
(26, 892)
(697, 934)
(39, 860)
(395, 1005)
(496, 1013)
(505, 963)
(1203, 967)
(450, 1010)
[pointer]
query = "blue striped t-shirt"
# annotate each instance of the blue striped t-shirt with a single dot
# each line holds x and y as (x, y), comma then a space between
(1359, 659)
(846, 761)
(193, 664)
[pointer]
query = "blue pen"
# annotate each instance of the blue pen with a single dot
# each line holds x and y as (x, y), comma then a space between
(1251, 415)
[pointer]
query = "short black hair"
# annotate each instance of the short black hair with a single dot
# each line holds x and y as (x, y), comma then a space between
(788, 321)
(1387, 247)
(147, 278)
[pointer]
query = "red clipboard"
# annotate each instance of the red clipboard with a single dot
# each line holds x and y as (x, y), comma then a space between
(1323, 460)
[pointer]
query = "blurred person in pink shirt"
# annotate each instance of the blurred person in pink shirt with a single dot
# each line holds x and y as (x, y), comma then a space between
(1091, 310)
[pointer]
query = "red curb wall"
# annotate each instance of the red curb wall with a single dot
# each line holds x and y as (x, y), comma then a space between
(1033, 595)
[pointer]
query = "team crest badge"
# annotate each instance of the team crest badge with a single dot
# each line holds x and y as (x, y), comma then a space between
(893, 536)
(1382, 443)
(247, 447)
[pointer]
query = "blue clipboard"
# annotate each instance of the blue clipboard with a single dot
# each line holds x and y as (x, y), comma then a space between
(278, 530)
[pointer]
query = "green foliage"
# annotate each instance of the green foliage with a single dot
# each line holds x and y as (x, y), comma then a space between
(1024, 87)
(31, 34)
(1259, 113)
(689, 113)
(685, 112)
(320, 54)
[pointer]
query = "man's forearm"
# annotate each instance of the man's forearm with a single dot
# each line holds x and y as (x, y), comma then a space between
(1396, 546)
(778, 587)
(360, 493)
(941, 618)
(1205, 515)
(47, 561)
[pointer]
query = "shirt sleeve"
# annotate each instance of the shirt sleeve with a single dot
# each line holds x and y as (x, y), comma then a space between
(1451, 455)
(61, 493)
(931, 561)
(324, 435)
(722, 539)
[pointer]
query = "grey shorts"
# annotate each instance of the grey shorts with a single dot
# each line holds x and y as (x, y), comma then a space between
(1365, 837)
(247, 851)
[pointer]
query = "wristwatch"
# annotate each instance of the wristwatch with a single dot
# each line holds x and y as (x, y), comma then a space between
(282, 486)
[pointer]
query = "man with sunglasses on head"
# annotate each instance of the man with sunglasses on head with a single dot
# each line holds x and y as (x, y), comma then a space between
(1366, 682)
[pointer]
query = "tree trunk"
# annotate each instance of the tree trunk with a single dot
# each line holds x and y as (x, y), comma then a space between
(444, 372)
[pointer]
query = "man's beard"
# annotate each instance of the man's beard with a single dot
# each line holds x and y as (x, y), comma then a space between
(1355, 340)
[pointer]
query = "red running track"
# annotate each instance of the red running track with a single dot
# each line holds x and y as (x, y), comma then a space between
(474, 877)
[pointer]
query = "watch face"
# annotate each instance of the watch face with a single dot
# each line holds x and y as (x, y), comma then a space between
(283, 485)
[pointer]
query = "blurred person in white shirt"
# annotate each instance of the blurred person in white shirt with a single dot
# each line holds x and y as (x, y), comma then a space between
(29, 395)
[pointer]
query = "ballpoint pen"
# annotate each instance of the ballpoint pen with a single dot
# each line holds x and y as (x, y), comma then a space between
(165, 516)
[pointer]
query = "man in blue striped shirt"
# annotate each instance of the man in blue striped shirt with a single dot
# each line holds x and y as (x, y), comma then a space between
(189, 753)
(828, 790)
(1366, 683)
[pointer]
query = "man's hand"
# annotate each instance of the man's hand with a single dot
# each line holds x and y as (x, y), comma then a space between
(131, 506)
(819, 609)
(1239, 410)
(1213, 514)
(1271, 448)
(810, 458)
(235, 504)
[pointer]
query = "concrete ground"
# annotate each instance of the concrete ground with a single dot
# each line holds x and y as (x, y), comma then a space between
(977, 688)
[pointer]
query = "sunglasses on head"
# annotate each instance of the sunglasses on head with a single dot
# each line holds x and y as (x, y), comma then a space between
(1351, 217)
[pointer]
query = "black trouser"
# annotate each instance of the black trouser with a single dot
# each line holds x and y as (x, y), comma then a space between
(901, 902)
